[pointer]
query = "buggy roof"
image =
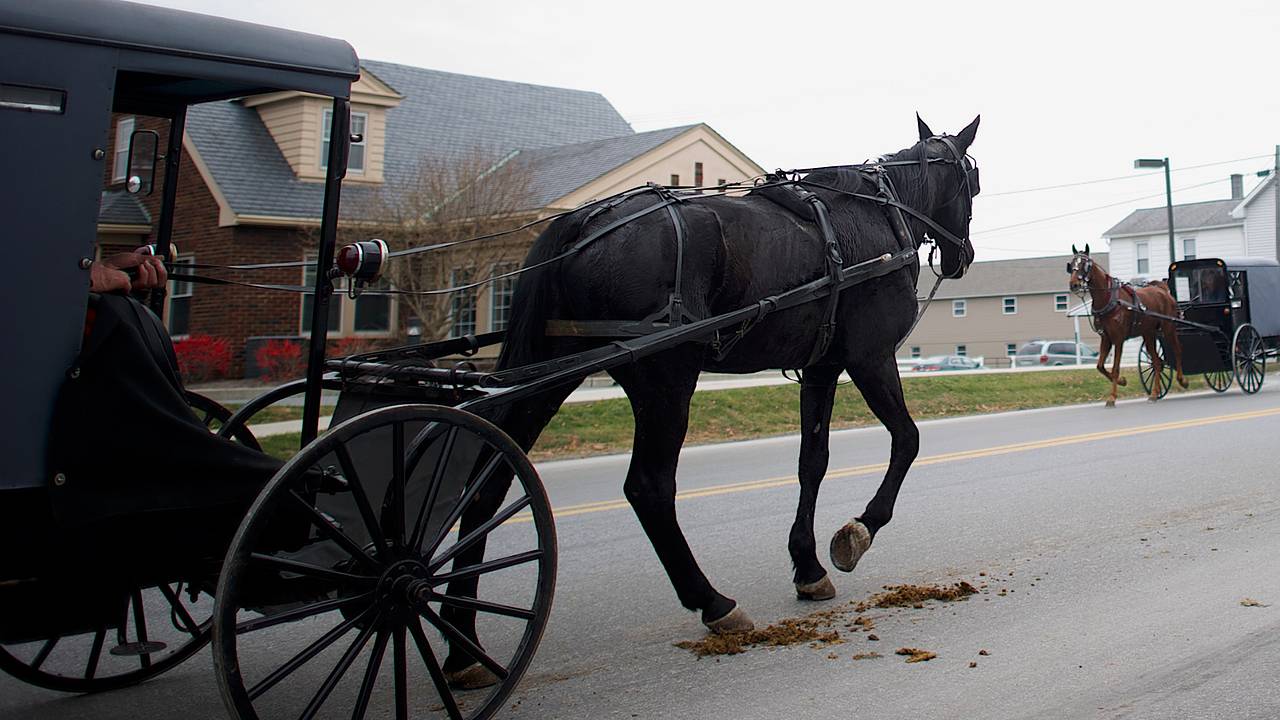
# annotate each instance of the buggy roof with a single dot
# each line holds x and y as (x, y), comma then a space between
(183, 57)
(1235, 263)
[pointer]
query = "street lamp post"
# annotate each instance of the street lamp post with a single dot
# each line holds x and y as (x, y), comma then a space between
(1143, 163)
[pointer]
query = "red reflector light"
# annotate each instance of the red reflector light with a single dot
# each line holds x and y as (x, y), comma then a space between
(1044, 359)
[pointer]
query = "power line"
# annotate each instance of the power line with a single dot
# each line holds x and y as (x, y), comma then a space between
(1130, 176)
(1088, 210)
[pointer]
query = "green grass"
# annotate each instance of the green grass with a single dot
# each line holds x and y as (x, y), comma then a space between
(606, 426)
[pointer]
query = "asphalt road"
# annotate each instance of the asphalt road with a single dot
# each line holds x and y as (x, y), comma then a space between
(1117, 546)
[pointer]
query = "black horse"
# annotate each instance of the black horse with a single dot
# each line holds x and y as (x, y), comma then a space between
(736, 251)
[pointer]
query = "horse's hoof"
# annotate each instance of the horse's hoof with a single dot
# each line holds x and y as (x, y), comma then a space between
(1122, 382)
(1111, 403)
(473, 677)
(848, 545)
(1151, 399)
(735, 621)
(823, 589)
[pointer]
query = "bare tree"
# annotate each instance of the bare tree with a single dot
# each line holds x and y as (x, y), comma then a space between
(445, 201)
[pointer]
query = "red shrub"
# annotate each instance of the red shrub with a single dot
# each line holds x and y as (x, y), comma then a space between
(281, 360)
(201, 357)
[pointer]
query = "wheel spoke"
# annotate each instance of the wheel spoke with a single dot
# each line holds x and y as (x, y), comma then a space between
(332, 531)
(454, 635)
(299, 613)
(362, 499)
(463, 502)
(95, 653)
(370, 675)
(140, 627)
(433, 668)
(301, 568)
(393, 504)
(307, 654)
(344, 662)
(475, 535)
(399, 672)
(485, 606)
(43, 655)
(437, 479)
(487, 567)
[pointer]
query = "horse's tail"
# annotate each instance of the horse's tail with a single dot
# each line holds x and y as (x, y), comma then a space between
(530, 304)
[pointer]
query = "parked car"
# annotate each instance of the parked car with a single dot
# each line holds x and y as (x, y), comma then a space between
(946, 362)
(1053, 352)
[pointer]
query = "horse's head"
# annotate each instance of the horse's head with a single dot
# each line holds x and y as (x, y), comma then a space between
(1080, 268)
(950, 184)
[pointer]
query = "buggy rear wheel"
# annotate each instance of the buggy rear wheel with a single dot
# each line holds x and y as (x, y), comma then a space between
(1250, 356)
(155, 629)
(359, 567)
(214, 415)
(1147, 371)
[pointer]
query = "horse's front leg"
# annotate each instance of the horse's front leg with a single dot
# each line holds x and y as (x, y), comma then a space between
(882, 389)
(1115, 374)
(660, 392)
(817, 395)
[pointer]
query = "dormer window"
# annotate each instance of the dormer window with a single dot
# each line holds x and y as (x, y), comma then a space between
(355, 159)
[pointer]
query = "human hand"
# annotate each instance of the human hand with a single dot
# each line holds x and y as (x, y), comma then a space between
(108, 274)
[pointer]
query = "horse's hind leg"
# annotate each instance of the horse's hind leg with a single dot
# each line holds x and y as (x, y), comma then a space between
(523, 421)
(660, 388)
(817, 395)
(882, 389)
(1157, 366)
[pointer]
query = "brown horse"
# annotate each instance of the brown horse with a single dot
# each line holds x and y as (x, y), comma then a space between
(1120, 311)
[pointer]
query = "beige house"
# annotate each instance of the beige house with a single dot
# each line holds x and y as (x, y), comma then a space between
(996, 308)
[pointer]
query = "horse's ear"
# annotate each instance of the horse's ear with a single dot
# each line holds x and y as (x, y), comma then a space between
(925, 132)
(966, 136)
(1074, 251)
(1086, 248)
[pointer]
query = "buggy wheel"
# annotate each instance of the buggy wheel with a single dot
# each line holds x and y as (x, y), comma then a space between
(360, 566)
(156, 628)
(1250, 357)
(1147, 371)
(214, 416)
(1219, 380)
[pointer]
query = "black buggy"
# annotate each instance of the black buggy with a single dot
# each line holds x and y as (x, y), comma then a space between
(335, 582)
(1229, 324)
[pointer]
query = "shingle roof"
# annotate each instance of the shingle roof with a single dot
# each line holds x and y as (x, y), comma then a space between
(1024, 276)
(120, 208)
(1211, 213)
(558, 171)
(442, 115)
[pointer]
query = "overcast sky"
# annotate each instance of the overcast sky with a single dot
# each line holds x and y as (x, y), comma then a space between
(1067, 95)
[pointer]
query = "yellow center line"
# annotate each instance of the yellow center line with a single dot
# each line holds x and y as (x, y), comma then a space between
(877, 468)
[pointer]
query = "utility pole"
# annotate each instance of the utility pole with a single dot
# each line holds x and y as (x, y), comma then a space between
(1168, 206)
(1275, 186)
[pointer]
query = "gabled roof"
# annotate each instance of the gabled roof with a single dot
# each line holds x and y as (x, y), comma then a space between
(1024, 276)
(566, 135)
(120, 208)
(1189, 216)
(1238, 210)
(558, 171)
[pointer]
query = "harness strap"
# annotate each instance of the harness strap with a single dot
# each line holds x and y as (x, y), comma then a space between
(835, 272)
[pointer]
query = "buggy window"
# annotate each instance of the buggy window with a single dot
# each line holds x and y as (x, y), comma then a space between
(1200, 284)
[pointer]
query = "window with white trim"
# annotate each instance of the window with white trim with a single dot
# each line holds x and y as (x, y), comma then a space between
(1010, 349)
(1010, 306)
(962, 350)
(1142, 251)
(180, 292)
(355, 157)
(1060, 302)
(500, 293)
(120, 161)
(959, 308)
(373, 313)
(915, 352)
(462, 308)
(1188, 248)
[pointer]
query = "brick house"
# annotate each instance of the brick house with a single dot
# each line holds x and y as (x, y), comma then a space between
(251, 185)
